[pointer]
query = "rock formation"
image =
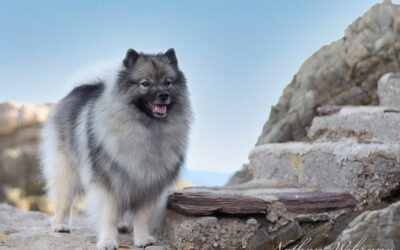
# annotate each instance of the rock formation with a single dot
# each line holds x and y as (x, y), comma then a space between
(20, 126)
(353, 149)
(373, 230)
(342, 73)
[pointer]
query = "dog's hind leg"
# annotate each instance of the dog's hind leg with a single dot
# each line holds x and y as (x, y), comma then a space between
(104, 207)
(62, 186)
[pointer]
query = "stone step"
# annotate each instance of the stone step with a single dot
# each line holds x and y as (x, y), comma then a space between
(389, 90)
(362, 122)
(368, 170)
(248, 199)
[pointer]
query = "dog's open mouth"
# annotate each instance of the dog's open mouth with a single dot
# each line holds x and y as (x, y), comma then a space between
(157, 109)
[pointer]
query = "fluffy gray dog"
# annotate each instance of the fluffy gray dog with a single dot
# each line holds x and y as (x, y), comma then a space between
(122, 140)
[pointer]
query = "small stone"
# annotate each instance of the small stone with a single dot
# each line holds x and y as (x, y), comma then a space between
(208, 220)
(251, 221)
(312, 217)
(155, 248)
(215, 244)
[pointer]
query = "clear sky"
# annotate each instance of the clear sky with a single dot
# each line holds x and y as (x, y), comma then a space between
(237, 55)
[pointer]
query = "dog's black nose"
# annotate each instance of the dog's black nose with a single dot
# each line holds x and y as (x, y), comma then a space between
(163, 96)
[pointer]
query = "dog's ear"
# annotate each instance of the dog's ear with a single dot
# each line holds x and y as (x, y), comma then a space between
(170, 54)
(130, 58)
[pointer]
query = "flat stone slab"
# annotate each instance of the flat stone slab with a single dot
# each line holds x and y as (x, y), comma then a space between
(365, 169)
(235, 201)
(31, 230)
(362, 122)
(389, 90)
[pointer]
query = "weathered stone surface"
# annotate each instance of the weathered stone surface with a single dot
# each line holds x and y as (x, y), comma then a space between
(207, 203)
(378, 229)
(181, 232)
(342, 73)
(32, 230)
(328, 110)
(316, 237)
(21, 230)
(239, 202)
(363, 122)
(389, 90)
(367, 170)
(264, 240)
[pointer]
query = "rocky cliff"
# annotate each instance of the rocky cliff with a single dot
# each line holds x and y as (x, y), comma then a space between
(342, 73)
(20, 126)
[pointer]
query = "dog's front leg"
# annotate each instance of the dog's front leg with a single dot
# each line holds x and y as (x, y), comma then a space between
(141, 225)
(103, 206)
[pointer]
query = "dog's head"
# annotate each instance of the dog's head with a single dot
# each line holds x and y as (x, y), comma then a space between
(152, 84)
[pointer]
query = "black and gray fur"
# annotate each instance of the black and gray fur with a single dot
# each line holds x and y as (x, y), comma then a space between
(123, 141)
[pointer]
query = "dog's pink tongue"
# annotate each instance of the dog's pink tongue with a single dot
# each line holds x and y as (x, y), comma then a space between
(161, 109)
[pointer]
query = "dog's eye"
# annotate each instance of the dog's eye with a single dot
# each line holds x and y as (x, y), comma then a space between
(167, 82)
(145, 83)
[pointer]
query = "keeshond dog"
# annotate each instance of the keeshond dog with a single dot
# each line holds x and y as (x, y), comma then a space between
(121, 140)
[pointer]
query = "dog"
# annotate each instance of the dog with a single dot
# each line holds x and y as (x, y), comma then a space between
(121, 140)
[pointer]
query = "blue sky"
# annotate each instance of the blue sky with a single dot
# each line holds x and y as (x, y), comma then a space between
(237, 55)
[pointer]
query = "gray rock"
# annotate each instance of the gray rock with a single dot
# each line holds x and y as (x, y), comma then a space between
(389, 90)
(372, 230)
(367, 170)
(363, 122)
(342, 73)
(264, 240)
(240, 176)
(325, 233)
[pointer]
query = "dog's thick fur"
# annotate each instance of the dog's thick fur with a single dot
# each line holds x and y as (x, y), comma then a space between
(122, 140)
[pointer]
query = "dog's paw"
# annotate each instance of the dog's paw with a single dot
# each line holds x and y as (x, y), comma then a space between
(107, 245)
(60, 228)
(124, 228)
(144, 242)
